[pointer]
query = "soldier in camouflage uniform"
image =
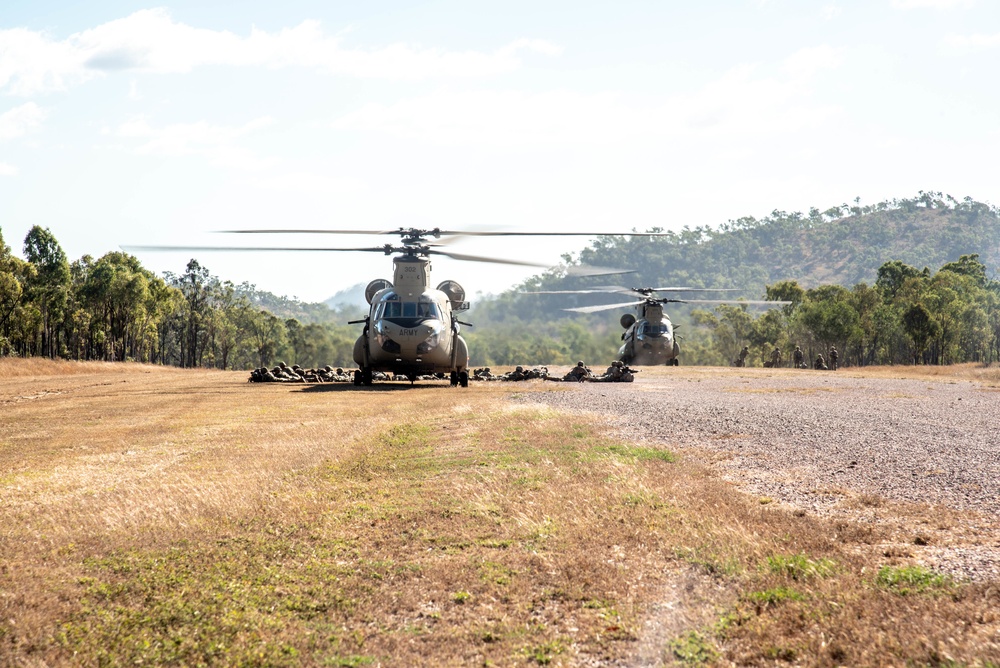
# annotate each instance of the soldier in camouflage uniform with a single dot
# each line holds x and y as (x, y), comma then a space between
(578, 373)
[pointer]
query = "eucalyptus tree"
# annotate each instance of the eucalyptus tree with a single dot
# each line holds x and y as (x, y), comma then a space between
(48, 288)
(117, 290)
(14, 273)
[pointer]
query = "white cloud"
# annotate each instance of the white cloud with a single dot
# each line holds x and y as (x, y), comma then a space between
(973, 41)
(150, 41)
(803, 64)
(308, 183)
(830, 12)
(738, 104)
(20, 120)
(7, 170)
(216, 143)
(931, 4)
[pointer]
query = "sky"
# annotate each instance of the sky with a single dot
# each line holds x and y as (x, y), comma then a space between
(126, 123)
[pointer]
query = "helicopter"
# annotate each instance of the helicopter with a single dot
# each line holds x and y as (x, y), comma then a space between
(411, 329)
(649, 338)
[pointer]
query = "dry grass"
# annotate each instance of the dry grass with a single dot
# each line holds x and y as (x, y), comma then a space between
(181, 518)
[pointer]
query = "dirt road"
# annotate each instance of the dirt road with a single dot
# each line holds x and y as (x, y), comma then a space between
(830, 443)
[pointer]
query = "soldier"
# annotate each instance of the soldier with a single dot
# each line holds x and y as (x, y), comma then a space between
(798, 358)
(578, 373)
(742, 361)
(612, 375)
(516, 374)
(776, 358)
(820, 363)
(834, 357)
(628, 375)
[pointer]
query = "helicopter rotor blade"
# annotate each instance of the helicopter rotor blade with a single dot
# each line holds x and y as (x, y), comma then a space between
(483, 258)
(439, 232)
(736, 302)
(130, 249)
(311, 231)
(690, 289)
(604, 307)
(596, 290)
(594, 270)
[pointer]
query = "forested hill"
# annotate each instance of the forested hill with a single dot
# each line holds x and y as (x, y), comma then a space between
(842, 245)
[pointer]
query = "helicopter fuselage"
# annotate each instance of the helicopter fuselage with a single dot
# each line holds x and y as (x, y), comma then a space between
(412, 329)
(649, 339)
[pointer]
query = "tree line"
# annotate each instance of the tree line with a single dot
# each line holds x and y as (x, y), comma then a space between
(113, 309)
(908, 316)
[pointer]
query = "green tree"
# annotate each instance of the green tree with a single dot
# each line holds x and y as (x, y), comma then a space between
(921, 328)
(48, 289)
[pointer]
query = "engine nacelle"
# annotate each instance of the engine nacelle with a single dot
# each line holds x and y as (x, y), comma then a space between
(627, 320)
(456, 294)
(374, 287)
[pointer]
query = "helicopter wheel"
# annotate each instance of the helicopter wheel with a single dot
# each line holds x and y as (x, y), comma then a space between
(454, 378)
(463, 378)
(675, 362)
(357, 377)
(366, 376)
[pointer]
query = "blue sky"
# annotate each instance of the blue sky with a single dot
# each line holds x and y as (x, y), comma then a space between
(128, 123)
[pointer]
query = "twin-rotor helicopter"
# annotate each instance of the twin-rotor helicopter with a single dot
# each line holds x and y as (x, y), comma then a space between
(411, 328)
(649, 338)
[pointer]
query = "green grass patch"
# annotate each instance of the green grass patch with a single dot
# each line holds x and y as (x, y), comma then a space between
(912, 580)
(693, 649)
(799, 566)
(545, 653)
(640, 453)
(774, 596)
(709, 560)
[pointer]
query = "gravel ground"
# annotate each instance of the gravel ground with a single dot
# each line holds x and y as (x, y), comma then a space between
(828, 443)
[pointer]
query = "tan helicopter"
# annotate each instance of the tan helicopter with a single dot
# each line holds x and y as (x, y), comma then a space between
(649, 339)
(411, 329)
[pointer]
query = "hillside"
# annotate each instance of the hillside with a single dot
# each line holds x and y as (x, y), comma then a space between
(843, 245)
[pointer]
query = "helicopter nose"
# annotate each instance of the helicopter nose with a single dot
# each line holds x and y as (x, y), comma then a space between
(405, 335)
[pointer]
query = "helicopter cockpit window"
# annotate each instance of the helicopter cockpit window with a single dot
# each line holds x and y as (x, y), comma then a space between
(406, 314)
(653, 331)
(428, 310)
(388, 307)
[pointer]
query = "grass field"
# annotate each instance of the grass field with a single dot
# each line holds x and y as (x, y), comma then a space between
(164, 517)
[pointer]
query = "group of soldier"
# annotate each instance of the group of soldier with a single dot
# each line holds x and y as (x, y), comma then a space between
(798, 359)
(618, 372)
(282, 373)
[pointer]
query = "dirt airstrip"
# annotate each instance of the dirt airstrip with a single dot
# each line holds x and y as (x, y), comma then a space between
(697, 516)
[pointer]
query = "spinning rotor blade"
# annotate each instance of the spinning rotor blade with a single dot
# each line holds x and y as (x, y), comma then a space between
(481, 258)
(464, 233)
(308, 231)
(737, 302)
(690, 289)
(129, 249)
(603, 307)
(598, 290)
(591, 270)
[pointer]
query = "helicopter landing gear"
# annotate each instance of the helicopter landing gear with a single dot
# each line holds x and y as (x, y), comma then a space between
(675, 362)
(460, 378)
(363, 376)
(454, 378)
